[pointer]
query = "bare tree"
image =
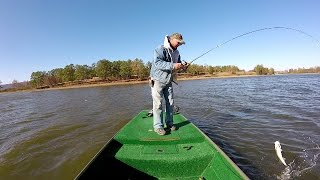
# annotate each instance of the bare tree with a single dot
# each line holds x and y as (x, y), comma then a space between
(15, 83)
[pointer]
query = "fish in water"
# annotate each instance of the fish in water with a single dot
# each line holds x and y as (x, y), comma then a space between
(278, 149)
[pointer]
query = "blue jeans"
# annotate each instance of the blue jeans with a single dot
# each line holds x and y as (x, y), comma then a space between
(162, 91)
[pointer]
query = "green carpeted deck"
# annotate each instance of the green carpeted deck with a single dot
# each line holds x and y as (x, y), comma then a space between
(184, 154)
(137, 152)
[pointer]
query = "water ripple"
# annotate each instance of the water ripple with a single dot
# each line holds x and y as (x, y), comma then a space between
(54, 133)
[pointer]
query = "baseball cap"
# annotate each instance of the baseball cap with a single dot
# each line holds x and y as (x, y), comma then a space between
(178, 36)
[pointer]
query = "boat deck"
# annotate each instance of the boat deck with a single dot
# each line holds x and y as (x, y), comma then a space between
(140, 131)
(137, 152)
(181, 153)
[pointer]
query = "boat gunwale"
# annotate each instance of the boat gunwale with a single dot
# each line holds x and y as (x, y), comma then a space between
(220, 151)
(102, 148)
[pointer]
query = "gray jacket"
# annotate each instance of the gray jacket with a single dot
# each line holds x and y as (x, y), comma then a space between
(162, 66)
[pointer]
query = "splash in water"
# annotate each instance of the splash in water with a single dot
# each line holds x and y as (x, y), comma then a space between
(303, 163)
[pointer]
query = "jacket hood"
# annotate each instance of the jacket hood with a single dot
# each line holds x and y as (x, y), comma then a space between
(166, 43)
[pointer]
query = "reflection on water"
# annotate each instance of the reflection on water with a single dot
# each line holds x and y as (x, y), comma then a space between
(53, 134)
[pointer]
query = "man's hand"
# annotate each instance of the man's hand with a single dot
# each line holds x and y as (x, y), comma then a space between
(185, 66)
(177, 66)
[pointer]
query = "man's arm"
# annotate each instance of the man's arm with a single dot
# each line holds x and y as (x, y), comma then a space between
(160, 62)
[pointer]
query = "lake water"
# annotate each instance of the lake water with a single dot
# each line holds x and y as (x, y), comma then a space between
(53, 134)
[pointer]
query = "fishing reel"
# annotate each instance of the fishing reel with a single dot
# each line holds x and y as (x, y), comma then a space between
(184, 63)
(185, 66)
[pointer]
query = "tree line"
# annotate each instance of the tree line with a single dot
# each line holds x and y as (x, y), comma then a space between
(305, 70)
(106, 70)
(260, 70)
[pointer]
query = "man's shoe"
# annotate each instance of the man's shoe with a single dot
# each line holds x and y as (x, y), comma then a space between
(160, 131)
(150, 113)
(172, 128)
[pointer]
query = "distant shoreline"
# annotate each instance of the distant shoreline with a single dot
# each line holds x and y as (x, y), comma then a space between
(118, 83)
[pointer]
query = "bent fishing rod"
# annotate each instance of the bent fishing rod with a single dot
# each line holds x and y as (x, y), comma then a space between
(244, 34)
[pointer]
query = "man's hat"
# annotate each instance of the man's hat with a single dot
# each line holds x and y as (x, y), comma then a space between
(178, 36)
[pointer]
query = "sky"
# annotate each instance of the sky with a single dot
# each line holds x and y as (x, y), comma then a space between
(37, 35)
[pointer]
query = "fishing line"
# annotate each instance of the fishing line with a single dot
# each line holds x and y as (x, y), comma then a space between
(254, 31)
(250, 32)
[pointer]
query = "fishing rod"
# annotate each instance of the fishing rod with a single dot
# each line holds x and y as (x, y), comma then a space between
(254, 31)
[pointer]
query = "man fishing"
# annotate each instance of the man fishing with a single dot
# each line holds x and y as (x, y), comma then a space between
(165, 63)
(163, 72)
